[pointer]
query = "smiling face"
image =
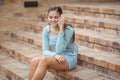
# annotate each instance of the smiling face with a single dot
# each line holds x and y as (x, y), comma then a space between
(53, 18)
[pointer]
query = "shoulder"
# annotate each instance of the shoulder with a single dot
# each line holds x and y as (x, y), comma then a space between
(45, 30)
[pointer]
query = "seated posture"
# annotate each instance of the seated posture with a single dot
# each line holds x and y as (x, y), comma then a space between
(58, 47)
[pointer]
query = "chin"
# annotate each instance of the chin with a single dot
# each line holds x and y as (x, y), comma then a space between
(53, 24)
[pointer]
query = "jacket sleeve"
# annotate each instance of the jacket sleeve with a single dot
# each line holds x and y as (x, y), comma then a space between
(45, 43)
(63, 39)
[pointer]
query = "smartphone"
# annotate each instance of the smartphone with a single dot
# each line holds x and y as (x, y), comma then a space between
(59, 23)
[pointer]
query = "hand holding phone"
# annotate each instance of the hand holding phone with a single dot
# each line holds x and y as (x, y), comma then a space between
(61, 23)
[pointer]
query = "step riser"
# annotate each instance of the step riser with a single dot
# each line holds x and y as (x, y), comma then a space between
(100, 15)
(104, 70)
(37, 28)
(97, 29)
(101, 61)
(12, 69)
(91, 10)
(16, 55)
(98, 46)
(42, 17)
(93, 14)
(28, 40)
(9, 75)
(2, 77)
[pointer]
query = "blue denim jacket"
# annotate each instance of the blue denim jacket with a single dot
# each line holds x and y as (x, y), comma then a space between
(63, 43)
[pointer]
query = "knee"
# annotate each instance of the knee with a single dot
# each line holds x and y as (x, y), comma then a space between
(44, 60)
(34, 61)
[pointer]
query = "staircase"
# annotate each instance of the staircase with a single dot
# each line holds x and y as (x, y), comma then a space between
(97, 32)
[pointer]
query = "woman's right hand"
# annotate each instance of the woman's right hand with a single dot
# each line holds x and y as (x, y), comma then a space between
(59, 58)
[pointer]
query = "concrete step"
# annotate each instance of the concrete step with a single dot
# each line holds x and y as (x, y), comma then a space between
(98, 40)
(107, 60)
(3, 77)
(29, 37)
(17, 71)
(12, 69)
(36, 27)
(100, 61)
(108, 10)
(92, 39)
(108, 26)
(20, 51)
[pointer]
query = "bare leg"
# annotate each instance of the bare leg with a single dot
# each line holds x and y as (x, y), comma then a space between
(40, 70)
(33, 66)
(44, 63)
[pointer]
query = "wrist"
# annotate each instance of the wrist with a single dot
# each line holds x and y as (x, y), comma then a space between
(55, 55)
(62, 28)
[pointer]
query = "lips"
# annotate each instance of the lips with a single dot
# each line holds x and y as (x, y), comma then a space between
(54, 22)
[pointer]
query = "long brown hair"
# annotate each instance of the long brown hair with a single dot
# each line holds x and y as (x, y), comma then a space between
(59, 10)
(73, 37)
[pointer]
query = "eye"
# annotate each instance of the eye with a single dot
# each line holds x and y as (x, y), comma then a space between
(56, 17)
(50, 17)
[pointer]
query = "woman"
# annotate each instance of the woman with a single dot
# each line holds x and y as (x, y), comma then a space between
(59, 49)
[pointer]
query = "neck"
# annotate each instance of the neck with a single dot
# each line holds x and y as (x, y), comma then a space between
(56, 28)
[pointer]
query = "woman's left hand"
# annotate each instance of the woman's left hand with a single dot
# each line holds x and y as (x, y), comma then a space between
(61, 23)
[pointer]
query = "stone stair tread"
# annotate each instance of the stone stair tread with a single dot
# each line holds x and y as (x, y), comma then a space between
(109, 8)
(92, 53)
(100, 36)
(102, 5)
(95, 19)
(28, 37)
(21, 48)
(21, 70)
(98, 57)
(13, 67)
(84, 74)
(3, 77)
(39, 24)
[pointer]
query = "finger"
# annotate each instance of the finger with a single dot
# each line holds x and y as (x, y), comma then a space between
(62, 16)
(57, 58)
(62, 59)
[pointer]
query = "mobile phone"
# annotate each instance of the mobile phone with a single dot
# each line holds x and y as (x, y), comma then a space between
(59, 23)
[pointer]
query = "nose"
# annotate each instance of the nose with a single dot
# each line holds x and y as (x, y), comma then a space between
(53, 19)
